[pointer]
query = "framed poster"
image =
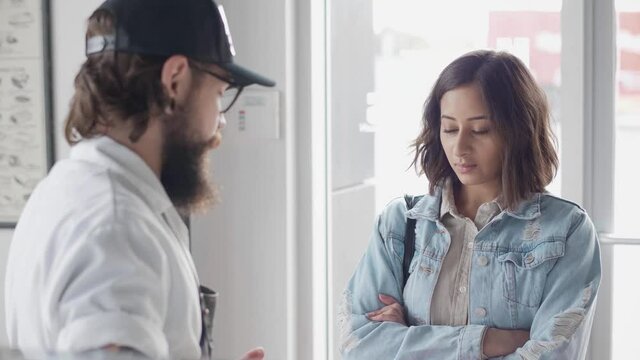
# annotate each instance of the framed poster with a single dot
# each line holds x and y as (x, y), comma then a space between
(26, 141)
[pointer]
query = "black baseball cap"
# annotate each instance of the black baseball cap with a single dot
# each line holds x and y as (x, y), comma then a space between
(197, 29)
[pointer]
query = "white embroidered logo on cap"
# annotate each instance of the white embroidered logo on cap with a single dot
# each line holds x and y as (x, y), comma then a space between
(226, 29)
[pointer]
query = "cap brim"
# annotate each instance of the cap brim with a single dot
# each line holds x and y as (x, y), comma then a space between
(244, 77)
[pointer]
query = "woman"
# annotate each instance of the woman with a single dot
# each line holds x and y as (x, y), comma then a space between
(500, 267)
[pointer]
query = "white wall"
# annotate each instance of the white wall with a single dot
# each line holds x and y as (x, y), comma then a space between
(242, 247)
(353, 214)
(5, 240)
(69, 25)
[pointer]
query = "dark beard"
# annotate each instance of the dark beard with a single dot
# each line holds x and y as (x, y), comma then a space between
(184, 172)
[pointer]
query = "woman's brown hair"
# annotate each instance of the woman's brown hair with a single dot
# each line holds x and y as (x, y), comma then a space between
(520, 111)
(113, 87)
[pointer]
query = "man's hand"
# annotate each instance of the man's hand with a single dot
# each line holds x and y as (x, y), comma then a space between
(498, 342)
(255, 354)
(393, 311)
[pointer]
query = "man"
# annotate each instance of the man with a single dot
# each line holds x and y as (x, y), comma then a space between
(99, 258)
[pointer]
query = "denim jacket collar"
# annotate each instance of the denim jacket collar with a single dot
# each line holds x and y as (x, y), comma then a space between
(448, 206)
(429, 207)
(528, 209)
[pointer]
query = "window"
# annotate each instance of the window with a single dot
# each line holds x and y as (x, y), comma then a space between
(376, 91)
(375, 94)
(627, 123)
(625, 291)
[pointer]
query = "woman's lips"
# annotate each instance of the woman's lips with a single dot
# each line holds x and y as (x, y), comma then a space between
(466, 168)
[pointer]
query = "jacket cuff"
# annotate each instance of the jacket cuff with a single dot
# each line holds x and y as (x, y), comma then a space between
(470, 345)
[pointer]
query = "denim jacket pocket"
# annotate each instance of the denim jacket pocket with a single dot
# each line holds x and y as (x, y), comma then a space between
(395, 245)
(525, 270)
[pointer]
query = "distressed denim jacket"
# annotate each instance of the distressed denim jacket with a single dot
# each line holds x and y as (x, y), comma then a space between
(536, 268)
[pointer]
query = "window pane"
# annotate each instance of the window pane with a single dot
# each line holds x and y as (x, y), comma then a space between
(626, 297)
(627, 194)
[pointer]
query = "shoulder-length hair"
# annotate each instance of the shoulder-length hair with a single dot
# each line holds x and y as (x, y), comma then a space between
(519, 109)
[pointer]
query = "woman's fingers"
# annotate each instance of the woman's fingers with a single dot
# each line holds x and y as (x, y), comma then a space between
(378, 312)
(386, 299)
(392, 313)
(391, 317)
(389, 301)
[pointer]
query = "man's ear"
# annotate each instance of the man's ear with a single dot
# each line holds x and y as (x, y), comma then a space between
(176, 78)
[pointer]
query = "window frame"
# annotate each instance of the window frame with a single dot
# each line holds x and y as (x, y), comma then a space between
(589, 78)
(588, 93)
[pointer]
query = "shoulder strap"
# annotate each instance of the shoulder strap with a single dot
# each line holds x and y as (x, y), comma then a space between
(409, 239)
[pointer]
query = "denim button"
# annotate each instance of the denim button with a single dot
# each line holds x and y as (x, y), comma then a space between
(470, 245)
(462, 289)
(529, 258)
(483, 261)
(481, 312)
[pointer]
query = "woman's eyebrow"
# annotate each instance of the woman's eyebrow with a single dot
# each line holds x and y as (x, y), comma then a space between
(478, 117)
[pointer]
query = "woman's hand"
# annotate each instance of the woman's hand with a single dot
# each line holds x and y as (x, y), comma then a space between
(393, 311)
(498, 342)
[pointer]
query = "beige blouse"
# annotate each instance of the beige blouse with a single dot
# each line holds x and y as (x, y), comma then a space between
(451, 297)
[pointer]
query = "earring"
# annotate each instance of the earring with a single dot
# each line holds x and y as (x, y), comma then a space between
(171, 107)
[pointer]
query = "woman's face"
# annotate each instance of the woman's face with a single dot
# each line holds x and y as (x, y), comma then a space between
(469, 137)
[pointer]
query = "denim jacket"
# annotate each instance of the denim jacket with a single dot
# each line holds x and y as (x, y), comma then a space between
(536, 268)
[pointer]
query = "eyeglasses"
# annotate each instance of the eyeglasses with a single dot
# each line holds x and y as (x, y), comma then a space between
(232, 93)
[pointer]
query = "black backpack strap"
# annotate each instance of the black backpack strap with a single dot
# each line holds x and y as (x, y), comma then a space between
(409, 239)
